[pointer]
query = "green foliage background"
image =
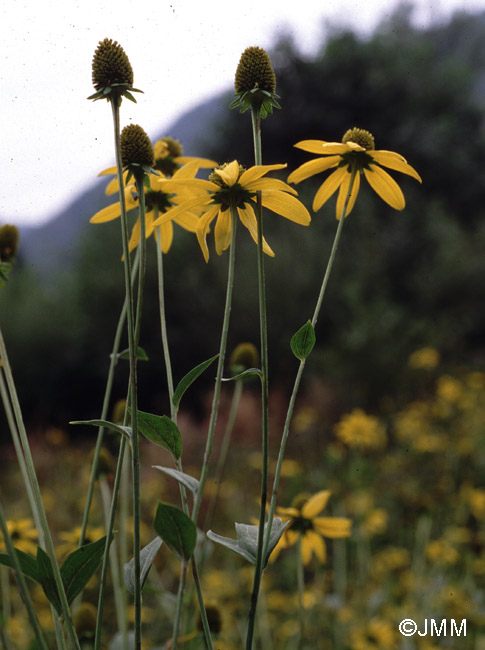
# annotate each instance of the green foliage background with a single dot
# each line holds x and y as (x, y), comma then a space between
(401, 281)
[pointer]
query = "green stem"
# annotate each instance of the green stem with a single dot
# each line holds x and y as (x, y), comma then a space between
(163, 320)
(133, 373)
(300, 576)
(203, 613)
(301, 367)
(178, 609)
(258, 572)
(44, 531)
(220, 366)
(24, 590)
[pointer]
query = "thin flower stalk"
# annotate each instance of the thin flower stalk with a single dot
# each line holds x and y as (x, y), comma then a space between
(300, 578)
(220, 365)
(258, 571)
(133, 378)
(301, 367)
(45, 536)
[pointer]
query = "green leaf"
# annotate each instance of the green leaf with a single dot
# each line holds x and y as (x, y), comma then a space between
(249, 372)
(189, 378)
(28, 564)
(141, 355)
(176, 529)
(47, 580)
(247, 535)
(160, 430)
(80, 566)
(303, 341)
(124, 431)
(190, 482)
(147, 555)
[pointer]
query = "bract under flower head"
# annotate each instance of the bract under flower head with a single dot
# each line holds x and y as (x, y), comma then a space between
(356, 153)
(112, 72)
(233, 188)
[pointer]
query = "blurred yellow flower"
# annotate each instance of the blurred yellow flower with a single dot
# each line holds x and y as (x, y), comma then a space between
(357, 429)
(306, 526)
(440, 552)
(356, 151)
(231, 185)
(23, 534)
(424, 359)
(375, 523)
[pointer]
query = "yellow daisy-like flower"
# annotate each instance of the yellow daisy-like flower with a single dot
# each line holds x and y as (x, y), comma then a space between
(162, 195)
(23, 534)
(356, 151)
(311, 529)
(231, 185)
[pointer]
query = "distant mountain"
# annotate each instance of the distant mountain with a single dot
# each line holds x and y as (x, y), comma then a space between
(54, 244)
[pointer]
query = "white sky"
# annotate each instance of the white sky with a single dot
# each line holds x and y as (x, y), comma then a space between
(53, 141)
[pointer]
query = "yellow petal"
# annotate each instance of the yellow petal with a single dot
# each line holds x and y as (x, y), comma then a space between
(270, 184)
(288, 512)
(316, 544)
(186, 171)
(306, 549)
(320, 147)
(344, 188)
(313, 167)
(230, 173)
(222, 231)
(135, 236)
(166, 236)
(334, 527)
(315, 504)
(186, 206)
(327, 188)
(386, 187)
(287, 206)
(203, 228)
(205, 163)
(253, 173)
(248, 219)
(188, 221)
(109, 171)
(108, 213)
(395, 161)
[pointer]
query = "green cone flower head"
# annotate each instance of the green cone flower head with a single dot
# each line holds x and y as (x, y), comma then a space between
(136, 150)
(112, 72)
(255, 82)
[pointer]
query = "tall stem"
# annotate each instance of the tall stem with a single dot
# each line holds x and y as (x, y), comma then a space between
(133, 374)
(258, 572)
(301, 367)
(220, 366)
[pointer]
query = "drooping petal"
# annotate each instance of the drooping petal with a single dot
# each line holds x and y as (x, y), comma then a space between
(333, 527)
(288, 512)
(287, 206)
(222, 231)
(317, 545)
(306, 549)
(395, 161)
(204, 163)
(188, 220)
(315, 504)
(253, 173)
(248, 219)
(185, 206)
(313, 167)
(230, 173)
(135, 236)
(386, 187)
(166, 236)
(344, 188)
(203, 228)
(113, 211)
(270, 184)
(108, 172)
(327, 188)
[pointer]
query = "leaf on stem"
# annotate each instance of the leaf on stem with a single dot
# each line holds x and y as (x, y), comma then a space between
(124, 431)
(147, 555)
(160, 430)
(302, 341)
(189, 378)
(176, 529)
(190, 482)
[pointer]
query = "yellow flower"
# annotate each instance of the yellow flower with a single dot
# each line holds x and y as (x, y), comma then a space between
(425, 358)
(310, 529)
(161, 197)
(357, 429)
(356, 151)
(23, 534)
(231, 185)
